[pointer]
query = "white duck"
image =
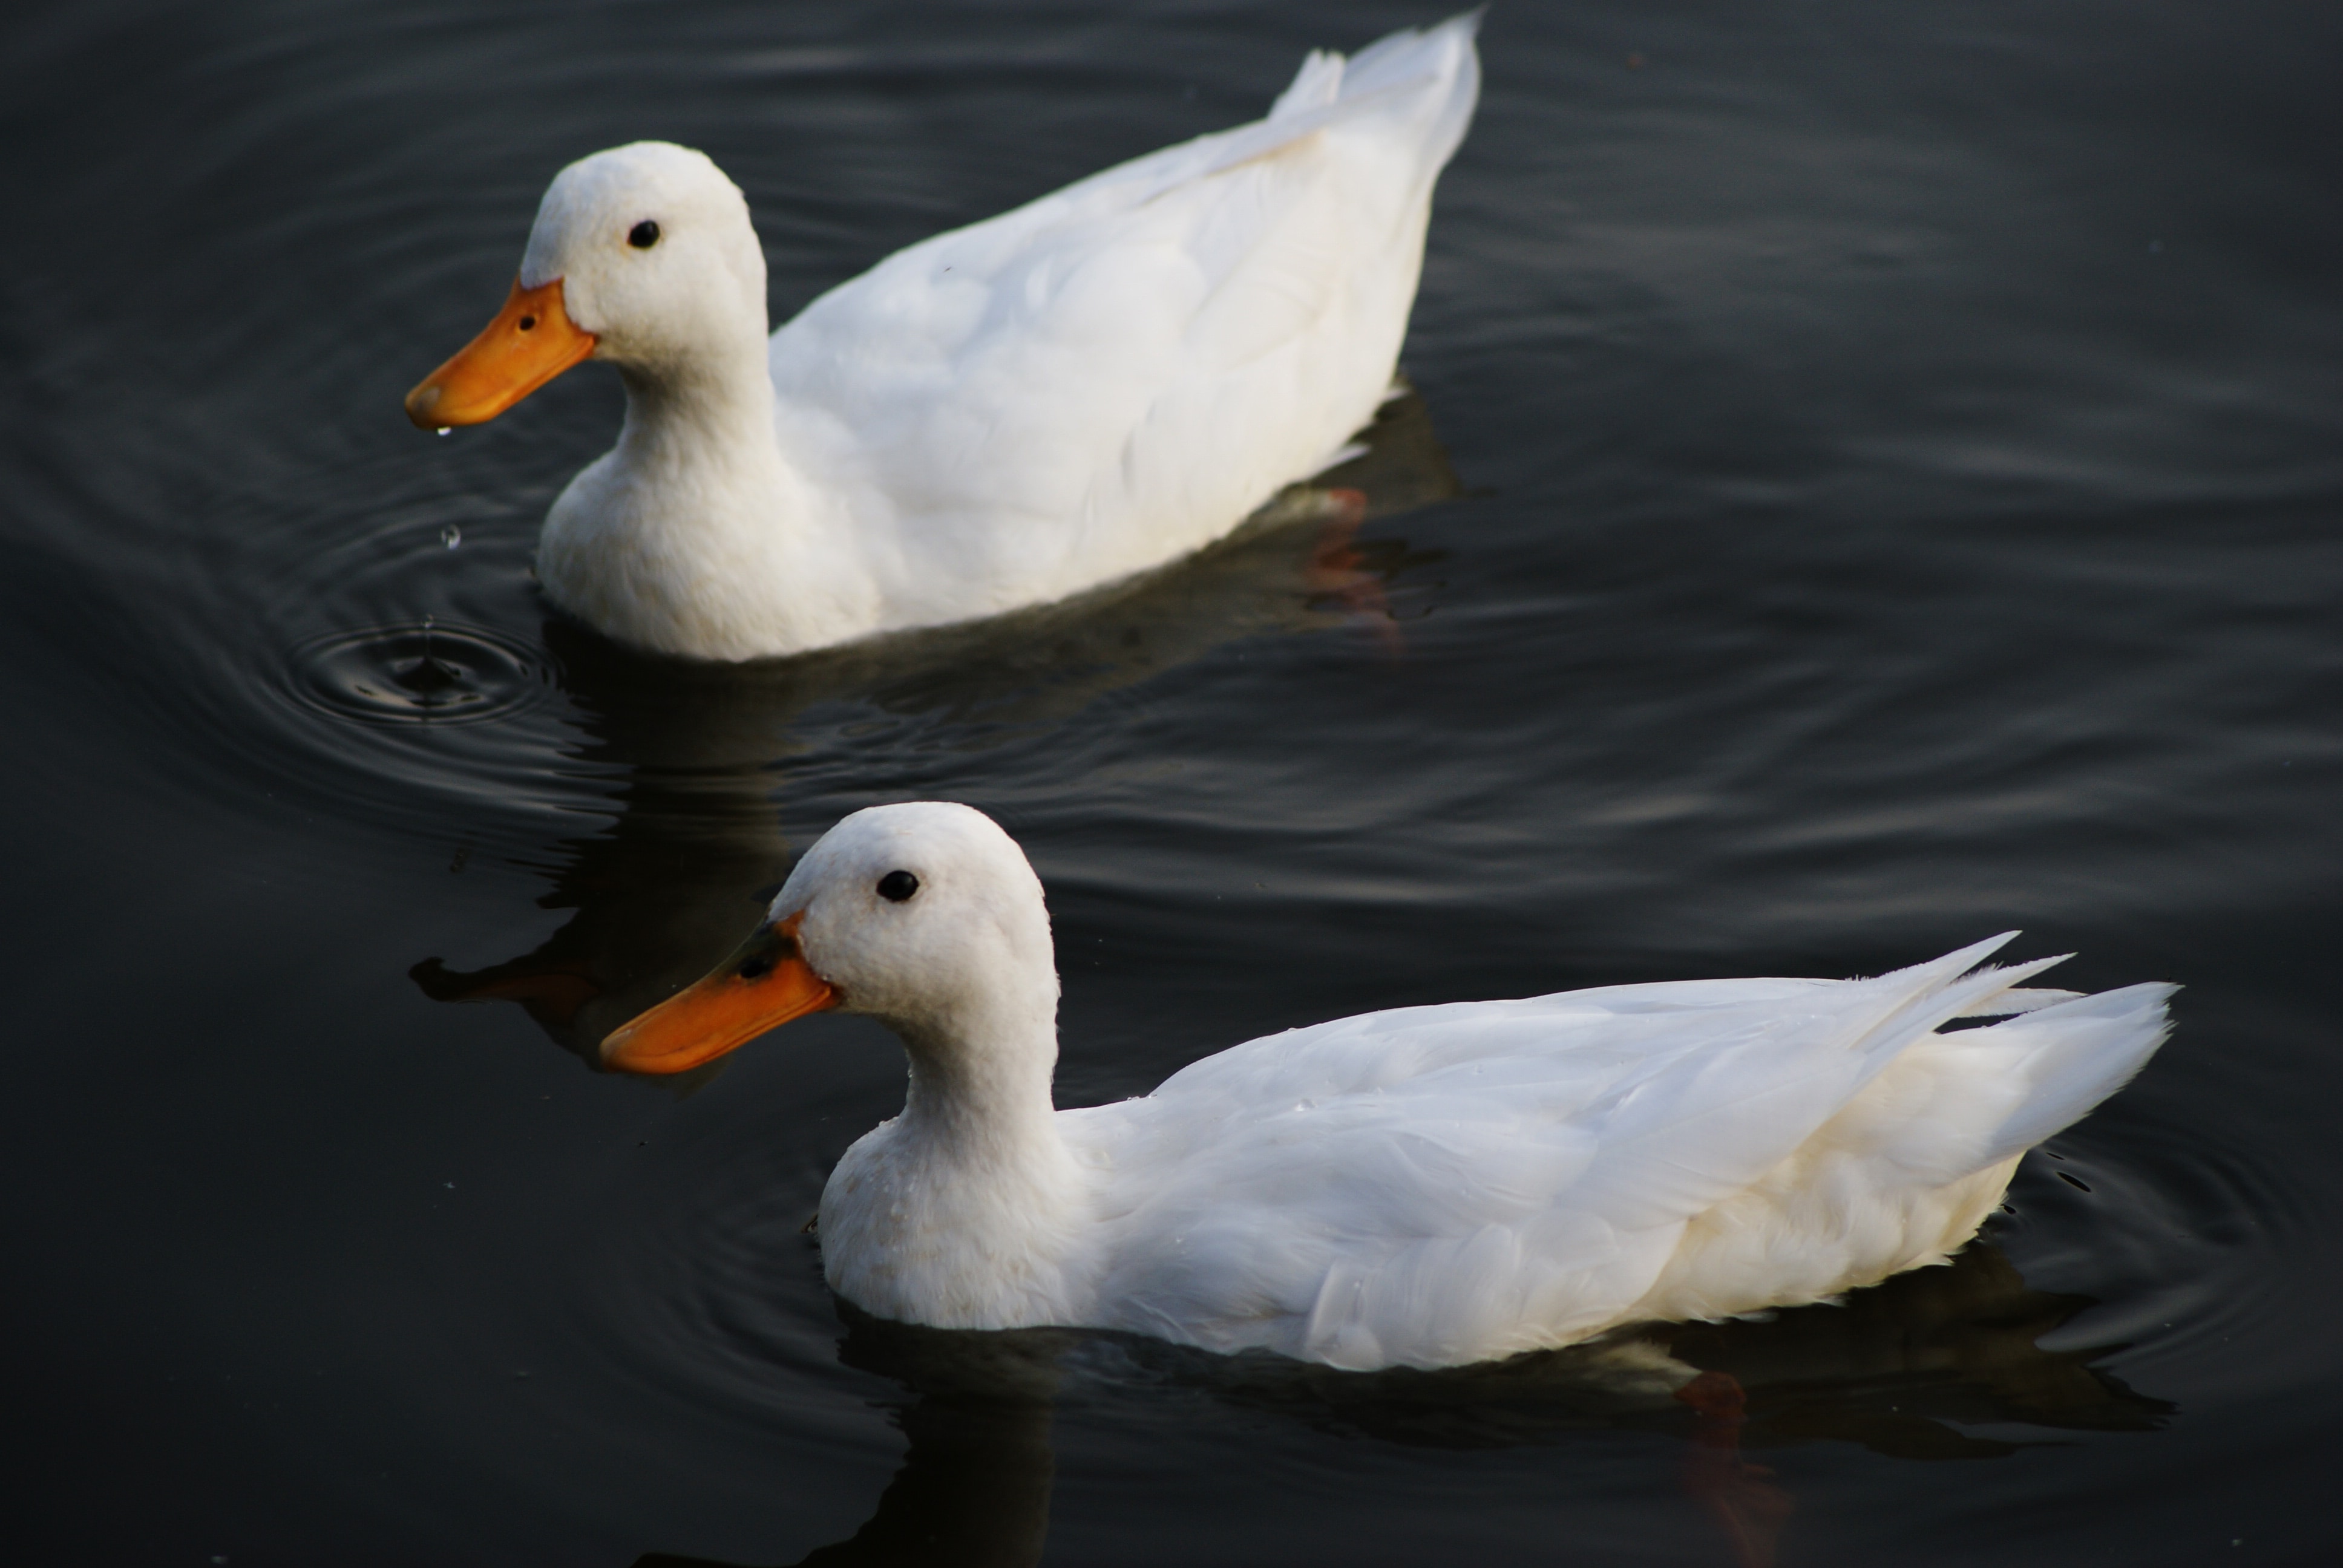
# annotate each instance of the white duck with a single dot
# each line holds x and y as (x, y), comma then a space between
(1426, 1187)
(1092, 385)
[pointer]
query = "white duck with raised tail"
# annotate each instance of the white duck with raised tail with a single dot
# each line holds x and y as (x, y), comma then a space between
(1094, 384)
(1424, 1187)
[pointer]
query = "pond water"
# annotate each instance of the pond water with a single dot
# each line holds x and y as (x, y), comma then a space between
(1873, 482)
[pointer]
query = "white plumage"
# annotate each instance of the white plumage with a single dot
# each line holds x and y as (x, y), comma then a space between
(1092, 385)
(1424, 1187)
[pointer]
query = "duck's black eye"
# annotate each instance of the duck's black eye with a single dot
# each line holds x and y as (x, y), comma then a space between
(528, 324)
(643, 235)
(896, 885)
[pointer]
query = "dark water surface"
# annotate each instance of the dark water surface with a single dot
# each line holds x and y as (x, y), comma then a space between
(1901, 451)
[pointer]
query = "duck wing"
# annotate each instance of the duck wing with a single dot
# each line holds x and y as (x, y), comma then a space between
(1432, 1186)
(1119, 372)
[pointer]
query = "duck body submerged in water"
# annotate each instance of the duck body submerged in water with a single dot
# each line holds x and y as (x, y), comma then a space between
(1094, 384)
(1426, 1187)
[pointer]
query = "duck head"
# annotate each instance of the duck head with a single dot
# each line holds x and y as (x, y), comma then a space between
(925, 915)
(643, 256)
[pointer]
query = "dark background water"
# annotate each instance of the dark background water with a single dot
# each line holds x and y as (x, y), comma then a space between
(1903, 450)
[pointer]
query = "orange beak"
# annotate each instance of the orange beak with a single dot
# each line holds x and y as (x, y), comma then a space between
(531, 341)
(763, 985)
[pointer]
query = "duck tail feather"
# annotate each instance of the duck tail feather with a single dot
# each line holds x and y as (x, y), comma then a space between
(2083, 1051)
(1318, 84)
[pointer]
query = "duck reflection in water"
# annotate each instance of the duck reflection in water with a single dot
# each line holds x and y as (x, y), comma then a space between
(1899, 1369)
(662, 891)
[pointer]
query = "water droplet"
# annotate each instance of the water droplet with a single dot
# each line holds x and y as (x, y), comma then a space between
(443, 431)
(451, 536)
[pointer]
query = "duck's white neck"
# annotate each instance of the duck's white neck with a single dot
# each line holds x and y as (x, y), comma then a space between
(688, 536)
(987, 1104)
(691, 411)
(963, 1211)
